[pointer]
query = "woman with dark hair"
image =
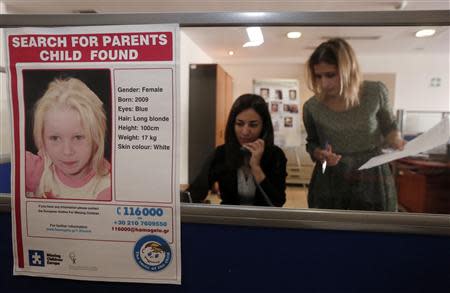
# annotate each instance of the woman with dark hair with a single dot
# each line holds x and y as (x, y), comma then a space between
(249, 168)
(347, 122)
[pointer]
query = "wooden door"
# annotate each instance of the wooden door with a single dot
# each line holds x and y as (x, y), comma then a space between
(221, 114)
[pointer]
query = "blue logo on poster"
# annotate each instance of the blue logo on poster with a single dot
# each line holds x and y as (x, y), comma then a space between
(152, 253)
(36, 258)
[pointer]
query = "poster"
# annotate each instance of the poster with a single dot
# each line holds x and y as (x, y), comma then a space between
(95, 152)
(282, 98)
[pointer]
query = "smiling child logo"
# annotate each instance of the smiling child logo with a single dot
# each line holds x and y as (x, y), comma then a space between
(152, 253)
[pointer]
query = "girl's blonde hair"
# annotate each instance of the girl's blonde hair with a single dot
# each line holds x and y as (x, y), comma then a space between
(337, 52)
(78, 96)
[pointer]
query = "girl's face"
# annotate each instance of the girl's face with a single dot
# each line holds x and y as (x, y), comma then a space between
(248, 126)
(327, 77)
(66, 142)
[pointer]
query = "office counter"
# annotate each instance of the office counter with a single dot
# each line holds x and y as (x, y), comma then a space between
(266, 258)
(262, 249)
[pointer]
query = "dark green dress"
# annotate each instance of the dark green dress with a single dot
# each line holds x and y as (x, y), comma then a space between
(358, 135)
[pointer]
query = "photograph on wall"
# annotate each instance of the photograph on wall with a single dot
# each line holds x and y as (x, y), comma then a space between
(292, 108)
(95, 152)
(288, 122)
(292, 95)
(274, 107)
(284, 104)
(279, 94)
(264, 92)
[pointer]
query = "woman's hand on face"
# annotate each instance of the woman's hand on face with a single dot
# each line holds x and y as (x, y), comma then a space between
(327, 155)
(257, 150)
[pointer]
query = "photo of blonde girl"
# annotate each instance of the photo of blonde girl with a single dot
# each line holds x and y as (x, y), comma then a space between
(69, 129)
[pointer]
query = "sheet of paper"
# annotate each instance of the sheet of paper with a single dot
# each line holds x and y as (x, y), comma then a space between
(99, 198)
(436, 136)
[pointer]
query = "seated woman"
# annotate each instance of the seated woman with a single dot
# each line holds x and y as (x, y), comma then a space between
(249, 168)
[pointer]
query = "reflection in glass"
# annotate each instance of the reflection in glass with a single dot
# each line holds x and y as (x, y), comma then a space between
(415, 72)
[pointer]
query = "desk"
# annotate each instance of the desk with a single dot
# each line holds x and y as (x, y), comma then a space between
(423, 186)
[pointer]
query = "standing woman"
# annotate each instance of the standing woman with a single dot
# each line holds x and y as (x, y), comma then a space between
(347, 122)
(249, 168)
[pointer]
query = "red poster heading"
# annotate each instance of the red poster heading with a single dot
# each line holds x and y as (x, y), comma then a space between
(115, 47)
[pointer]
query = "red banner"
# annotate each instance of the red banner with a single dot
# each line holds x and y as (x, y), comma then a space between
(119, 47)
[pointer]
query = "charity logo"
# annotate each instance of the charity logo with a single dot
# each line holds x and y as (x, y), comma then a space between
(73, 257)
(36, 258)
(152, 253)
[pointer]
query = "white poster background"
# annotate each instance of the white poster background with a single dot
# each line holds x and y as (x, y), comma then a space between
(157, 135)
(283, 99)
(105, 240)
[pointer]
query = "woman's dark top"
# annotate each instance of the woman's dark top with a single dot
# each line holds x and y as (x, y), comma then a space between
(357, 134)
(216, 169)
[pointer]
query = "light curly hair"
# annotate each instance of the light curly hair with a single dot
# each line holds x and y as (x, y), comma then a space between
(337, 52)
(74, 93)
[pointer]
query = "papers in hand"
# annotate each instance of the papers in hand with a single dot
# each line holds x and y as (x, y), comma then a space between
(436, 136)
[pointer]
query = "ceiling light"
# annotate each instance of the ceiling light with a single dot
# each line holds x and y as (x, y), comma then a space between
(231, 53)
(425, 33)
(255, 37)
(294, 35)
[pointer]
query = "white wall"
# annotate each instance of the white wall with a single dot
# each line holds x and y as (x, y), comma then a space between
(189, 53)
(413, 90)
(412, 86)
(414, 73)
(244, 74)
(413, 76)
